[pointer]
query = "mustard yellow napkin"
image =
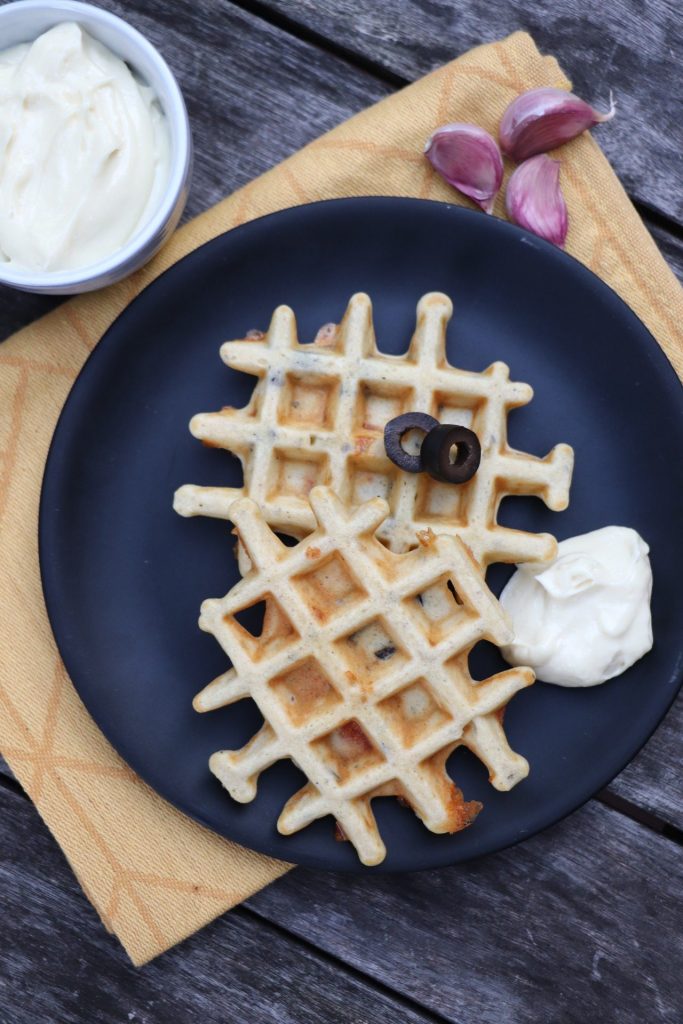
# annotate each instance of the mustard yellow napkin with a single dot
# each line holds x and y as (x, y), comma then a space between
(153, 875)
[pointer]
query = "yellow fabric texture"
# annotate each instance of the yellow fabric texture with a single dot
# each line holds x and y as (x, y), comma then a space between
(153, 875)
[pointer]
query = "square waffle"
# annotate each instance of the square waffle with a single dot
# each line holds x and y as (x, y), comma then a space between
(317, 417)
(361, 677)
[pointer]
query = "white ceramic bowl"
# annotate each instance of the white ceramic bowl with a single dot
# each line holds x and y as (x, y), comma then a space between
(24, 21)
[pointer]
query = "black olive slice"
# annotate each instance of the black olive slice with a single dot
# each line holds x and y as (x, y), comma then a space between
(393, 433)
(435, 454)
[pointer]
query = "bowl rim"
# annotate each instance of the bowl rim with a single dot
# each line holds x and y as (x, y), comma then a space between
(181, 155)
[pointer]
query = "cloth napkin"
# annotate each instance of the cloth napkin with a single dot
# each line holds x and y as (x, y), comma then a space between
(153, 875)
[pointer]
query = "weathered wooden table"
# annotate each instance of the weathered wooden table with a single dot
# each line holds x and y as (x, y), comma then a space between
(582, 923)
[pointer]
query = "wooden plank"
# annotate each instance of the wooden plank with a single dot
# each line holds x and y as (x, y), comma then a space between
(633, 49)
(653, 779)
(57, 963)
(581, 923)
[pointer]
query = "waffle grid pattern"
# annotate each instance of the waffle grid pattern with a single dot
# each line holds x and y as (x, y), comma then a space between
(317, 417)
(364, 688)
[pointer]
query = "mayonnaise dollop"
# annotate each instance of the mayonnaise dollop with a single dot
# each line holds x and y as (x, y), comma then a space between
(586, 617)
(84, 152)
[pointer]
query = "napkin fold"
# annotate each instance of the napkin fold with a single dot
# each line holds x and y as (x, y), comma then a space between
(153, 875)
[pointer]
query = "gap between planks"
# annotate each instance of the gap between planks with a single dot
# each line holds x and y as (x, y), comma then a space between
(306, 34)
(640, 815)
(405, 1001)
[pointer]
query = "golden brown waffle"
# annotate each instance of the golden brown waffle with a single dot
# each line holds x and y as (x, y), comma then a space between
(362, 689)
(317, 416)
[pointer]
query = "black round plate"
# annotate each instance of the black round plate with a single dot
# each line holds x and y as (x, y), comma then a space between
(124, 575)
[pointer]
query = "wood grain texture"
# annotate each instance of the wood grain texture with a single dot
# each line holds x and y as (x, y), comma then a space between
(630, 47)
(581, 923)
(653, 779)
(59, 966)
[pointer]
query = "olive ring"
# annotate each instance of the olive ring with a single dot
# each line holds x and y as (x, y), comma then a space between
(435, 453)
(393, 433)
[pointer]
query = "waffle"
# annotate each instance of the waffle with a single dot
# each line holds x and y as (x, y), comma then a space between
(317, 416)
(358, 685)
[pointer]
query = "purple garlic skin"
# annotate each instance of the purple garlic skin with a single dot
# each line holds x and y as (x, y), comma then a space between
(534, 200)
(469, 159)
(545, 118)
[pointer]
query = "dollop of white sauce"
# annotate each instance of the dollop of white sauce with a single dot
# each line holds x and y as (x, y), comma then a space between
(84, 152)
(586, 617)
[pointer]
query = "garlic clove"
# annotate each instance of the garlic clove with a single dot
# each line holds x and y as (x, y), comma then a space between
(545, 118)
(534, 199)
(469, 159)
